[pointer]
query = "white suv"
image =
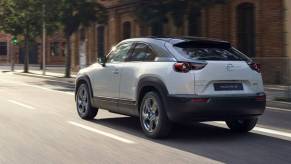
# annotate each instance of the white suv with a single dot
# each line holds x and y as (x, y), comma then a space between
(166, 80)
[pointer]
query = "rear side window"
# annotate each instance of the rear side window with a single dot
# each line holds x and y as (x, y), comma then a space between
(220, 52)
(142, 52)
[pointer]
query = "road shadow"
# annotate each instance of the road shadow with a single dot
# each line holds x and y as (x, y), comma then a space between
(56, 85)
(212, 142)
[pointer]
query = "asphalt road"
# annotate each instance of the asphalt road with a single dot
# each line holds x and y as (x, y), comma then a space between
(39, 124)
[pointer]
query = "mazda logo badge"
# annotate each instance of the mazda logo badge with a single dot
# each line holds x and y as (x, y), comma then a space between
(229, 67)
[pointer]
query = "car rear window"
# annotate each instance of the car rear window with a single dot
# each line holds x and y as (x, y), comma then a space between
(209, 51)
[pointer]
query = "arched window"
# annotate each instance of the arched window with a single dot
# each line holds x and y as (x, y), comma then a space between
(157, 29)
(246, 29)
(100, 41)
(194, 23)
(126, 30)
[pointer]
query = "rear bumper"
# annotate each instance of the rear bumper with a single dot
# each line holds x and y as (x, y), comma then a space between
(184, 109)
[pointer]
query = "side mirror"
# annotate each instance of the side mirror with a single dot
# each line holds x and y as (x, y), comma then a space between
(102, 61)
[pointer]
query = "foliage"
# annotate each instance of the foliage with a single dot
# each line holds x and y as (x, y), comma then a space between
(156, 11)
(77, 13)
(24, 17)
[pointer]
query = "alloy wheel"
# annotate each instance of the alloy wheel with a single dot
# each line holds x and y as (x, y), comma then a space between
(82, 99)
(150, 114)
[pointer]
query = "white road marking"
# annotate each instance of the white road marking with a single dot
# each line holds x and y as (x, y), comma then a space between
(279, 109)
(265, 131)
(278, 89)
(271, 131)
(47, 89)
(21, 104)
(102, 133)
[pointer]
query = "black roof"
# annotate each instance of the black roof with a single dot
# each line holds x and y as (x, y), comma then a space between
(186, 38)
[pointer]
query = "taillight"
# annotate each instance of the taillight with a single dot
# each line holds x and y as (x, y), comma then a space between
(256, 67)
(200, 100)
(182, 67)
(185, 67)
(261, 98)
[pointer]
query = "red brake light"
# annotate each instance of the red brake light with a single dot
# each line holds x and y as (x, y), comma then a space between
(256, 67)
(200, 100)
(185, 67)
(261, 98)
(182, 67)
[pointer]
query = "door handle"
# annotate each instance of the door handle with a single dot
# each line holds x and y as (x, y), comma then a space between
(116, 72)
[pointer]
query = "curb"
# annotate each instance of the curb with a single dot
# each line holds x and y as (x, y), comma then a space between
(49, 77)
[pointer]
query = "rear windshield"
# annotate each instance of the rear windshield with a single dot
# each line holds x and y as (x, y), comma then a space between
(210, 52)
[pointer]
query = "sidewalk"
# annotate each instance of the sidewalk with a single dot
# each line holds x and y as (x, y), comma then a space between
(274, 92)
(48, 75)
(52, 72)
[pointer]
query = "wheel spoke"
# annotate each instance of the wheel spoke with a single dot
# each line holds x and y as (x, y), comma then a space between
(150, 114)
(148, 106)
(145, 115)
(151, 125)
(81, 108)
(83, 94)
(154, 107)
(82, 100)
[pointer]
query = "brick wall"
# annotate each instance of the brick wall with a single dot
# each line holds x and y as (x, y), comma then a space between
(270, 44)
(219, 21)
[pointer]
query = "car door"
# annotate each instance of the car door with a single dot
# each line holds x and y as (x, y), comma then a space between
(141, 54)
(106, 79)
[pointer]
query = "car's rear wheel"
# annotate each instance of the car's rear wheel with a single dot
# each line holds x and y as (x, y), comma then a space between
(242, 125)
(83, 101)
(153, 118)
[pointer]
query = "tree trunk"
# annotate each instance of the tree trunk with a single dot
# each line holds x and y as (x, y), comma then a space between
(26, 56)
(68, 57)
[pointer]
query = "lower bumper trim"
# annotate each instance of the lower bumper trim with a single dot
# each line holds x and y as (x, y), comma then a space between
(214, 109)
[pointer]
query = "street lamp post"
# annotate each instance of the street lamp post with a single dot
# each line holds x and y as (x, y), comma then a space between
(43, 41)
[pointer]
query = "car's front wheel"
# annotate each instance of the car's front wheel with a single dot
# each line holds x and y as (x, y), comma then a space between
(83, 101)
(243, 125)
(153, 118)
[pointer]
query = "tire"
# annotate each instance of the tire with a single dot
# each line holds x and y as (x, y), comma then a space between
(83, 102)
(153, 118)
(242, 126)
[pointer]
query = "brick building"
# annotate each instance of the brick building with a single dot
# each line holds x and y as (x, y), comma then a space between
(5, 48)
(256, 27)
(55, 51)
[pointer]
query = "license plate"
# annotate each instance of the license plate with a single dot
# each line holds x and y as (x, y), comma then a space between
(228, 87)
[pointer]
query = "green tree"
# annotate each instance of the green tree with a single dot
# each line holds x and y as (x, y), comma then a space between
(24, 18)
(153, 12)
(75, 14)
